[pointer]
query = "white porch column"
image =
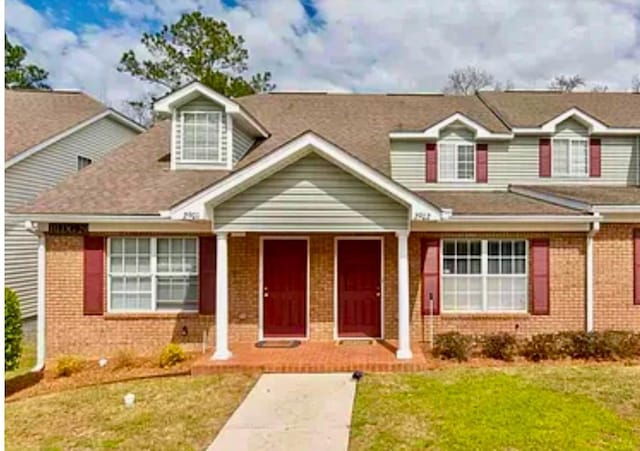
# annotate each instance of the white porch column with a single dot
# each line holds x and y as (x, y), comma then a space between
(222, 299)
(404, 331)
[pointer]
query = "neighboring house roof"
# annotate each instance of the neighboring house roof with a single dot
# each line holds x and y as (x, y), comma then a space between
(34, 117)
(587, 194)
(534, 108)
(492, 203)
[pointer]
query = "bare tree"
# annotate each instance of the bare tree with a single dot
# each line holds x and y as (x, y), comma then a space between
(566, 83)
(599, 88)
(635, 83)
(467, 81)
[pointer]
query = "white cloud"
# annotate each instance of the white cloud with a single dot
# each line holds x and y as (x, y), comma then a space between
(360, 46)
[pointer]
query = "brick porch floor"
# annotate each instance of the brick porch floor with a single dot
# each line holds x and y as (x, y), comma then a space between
(312, 357)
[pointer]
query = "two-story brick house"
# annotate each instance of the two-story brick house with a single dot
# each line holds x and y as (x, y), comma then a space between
(324, 217)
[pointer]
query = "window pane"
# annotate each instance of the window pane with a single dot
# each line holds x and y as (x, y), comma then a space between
(561, 156)
(579, 157)
(177, 293)
(462, 247)
(449, 266)
(494, 266)
(200, 137)
(449, 248)
(520, 248)
(465, 162)
(447, 161)
(494, 248)
(476, 248)
(461, 267)
(476, 267)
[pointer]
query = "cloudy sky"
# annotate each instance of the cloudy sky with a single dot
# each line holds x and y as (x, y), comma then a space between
(340, 45)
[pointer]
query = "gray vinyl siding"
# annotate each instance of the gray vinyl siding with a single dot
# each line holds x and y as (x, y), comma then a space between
(200, 104)
(242, 142)
(516, 162)
(37, 173)
(311, 193)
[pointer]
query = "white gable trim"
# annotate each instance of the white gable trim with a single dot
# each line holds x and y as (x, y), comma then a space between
(433, 132)
(593, 125)
(111, 114)
(199, 205)
(193, 90)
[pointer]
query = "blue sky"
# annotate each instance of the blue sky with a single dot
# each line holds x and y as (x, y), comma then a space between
(337, 45)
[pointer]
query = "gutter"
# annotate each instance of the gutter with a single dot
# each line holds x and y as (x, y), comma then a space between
(42, 280)
(589, 298)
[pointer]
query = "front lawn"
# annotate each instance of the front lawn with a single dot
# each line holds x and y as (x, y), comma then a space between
(169, 413)
(527, 408)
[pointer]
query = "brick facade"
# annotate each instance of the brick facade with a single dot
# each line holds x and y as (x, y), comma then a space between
(69, 331)
(613, 278)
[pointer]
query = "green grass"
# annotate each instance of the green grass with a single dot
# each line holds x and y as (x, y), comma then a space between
(527, 408)
(27, 360)
(170, 413)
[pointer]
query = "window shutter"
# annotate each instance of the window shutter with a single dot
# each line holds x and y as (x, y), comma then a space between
(93, 302)
(430, 276)
(482, 162)
(540, 275)
(636, 267)
(544, 157)
(431, 160)
(594, 157)
(207, 274)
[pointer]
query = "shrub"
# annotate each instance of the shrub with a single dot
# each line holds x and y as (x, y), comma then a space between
(171, 355)
(12, 330)
(452, 345)
(542, 347)
(501, 346)
(588, 345)
(68, 365)
(623, 345)
(125, 358)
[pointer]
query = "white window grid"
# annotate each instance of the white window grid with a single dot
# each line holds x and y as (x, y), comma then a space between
(487, 278)
(208, 150)
(152, 273)
(576, 161)
(456, 161)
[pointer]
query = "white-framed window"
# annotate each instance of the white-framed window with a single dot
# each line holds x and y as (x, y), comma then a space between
(83, 162)
(484, 276)
(570, 156)
(456, 161)
(152, 274)
(201, 137)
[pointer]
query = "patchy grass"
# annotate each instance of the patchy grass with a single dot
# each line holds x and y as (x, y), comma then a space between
(527, 408)
(169, 413)
(27, 360)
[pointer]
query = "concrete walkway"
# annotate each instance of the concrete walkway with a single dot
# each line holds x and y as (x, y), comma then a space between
(292, 412)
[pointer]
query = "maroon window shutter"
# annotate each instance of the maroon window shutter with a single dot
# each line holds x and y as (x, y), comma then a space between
(544, 157)
(430, 276)
(594, 157)
(482, 160)
(540, 275)
(431, 159)
(636, 266)
(207, 272)
(93, 303)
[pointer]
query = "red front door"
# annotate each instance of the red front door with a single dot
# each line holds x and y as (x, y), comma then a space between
(359, 288)
(284, 288)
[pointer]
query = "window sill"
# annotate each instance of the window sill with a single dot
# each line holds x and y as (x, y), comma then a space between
(152, 315)
(486, 315)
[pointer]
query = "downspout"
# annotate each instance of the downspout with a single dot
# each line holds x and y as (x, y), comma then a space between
(41, 331)
(595, 228)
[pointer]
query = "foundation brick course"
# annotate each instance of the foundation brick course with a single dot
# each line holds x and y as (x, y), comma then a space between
(70, 332)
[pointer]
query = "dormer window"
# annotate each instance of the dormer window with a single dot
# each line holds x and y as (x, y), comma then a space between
(201, 137)
(570, 157)
(456, 162)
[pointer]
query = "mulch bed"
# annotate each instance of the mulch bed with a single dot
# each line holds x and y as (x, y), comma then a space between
(35, 384)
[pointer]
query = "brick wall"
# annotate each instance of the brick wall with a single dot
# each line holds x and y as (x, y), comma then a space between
(613, 277)
(68, 331)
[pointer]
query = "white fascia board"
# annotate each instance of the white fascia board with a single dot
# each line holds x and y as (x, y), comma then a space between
(551, 198)
(111, 114)
(594, 125)
(433, 132)
(80, 218)
(616, 208)
(172, 101)
(196, 206)
(521, 218)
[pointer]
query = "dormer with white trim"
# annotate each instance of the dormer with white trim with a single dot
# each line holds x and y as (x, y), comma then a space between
(208, 130)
